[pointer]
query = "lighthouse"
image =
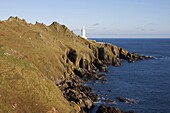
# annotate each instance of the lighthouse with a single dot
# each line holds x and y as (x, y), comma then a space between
(83, 33)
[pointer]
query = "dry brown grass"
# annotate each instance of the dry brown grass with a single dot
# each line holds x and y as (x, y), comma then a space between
(32, 59)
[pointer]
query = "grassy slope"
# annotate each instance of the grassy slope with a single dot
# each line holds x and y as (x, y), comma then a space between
(32, 59)
(27, 60)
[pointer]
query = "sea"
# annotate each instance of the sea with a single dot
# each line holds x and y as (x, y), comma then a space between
(146, 82)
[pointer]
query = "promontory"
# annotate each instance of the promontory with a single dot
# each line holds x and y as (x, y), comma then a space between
(42, 68)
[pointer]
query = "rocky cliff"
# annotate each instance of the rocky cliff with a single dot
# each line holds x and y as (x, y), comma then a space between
(42, 67)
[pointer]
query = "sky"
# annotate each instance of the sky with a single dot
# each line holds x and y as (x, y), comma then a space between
(101, 18)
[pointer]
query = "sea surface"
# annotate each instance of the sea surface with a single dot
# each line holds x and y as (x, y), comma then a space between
(147, 82)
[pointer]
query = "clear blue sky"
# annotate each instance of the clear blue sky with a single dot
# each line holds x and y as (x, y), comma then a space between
(102, 18)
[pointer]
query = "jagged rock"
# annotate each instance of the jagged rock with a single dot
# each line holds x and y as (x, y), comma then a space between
(72, 55)
(88, 103)
(103, 82)
(63, 86)
(84, 64)
(116, 62)
(103, 69)
(82, 106)
(123, 54)
(70, 84)
(104, 79)
(92, 76)
(113, 50)
(55, 59)
(85, 89)
(109, 100)
(146, 57)
(72, 95)
(122, 99)
(81, 95)
(94, 97)
(109, 90)
(102, 109)
(81, 63)
(97, 63)
(106, 109)
(102, 75)
(76, 107)
(93, 67)
(130, 60)
(84, 74)
(79, 73)
(101, 53)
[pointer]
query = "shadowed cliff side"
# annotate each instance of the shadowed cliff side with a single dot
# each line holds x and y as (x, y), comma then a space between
(35, 58)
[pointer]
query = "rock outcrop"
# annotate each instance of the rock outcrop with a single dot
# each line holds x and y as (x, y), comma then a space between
(43, 68)
(126, 100)
(106, 109)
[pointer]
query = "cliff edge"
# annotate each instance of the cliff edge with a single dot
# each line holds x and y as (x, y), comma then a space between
(36, 59)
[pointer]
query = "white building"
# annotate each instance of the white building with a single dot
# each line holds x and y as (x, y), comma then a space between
(83, 33)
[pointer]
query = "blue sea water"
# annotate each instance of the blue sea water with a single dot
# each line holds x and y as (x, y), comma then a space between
(147, 81)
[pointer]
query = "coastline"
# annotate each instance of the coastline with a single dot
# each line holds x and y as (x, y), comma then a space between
(55, 63)
(74, 88)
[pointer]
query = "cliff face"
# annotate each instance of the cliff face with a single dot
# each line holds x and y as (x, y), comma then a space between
(34, 58)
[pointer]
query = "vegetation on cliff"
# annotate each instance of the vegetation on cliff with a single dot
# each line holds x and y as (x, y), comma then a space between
(36, 58)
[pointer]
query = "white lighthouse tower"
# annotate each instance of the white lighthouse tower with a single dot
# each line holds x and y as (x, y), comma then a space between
(83, 33)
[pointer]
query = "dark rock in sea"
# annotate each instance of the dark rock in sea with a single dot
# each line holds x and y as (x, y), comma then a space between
(92, 75)
(122, 99)
(102, 75)
(98, 91)
(147, 57)
(79, 97)
(93, 96)
(130, 60)
(85, 89)
(108, 109)
(109, 90)
(103, 69)
(116, 62)
(107, 100)
(74, 90)
(88, 103)
(103, 78)
(103, 82)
